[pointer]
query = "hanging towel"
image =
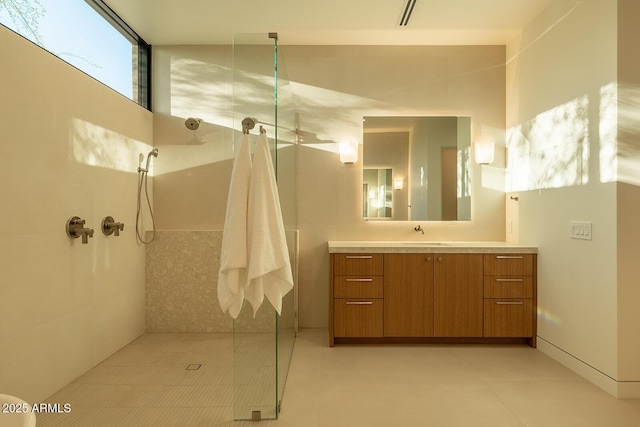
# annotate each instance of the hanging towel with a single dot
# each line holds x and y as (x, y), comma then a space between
(269, 271)
(232, 278)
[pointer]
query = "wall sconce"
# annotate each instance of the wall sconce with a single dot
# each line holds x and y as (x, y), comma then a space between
(348, 152)
(398, 183)
(483, 152)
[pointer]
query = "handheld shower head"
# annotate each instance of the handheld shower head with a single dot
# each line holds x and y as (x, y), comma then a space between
(153, 153)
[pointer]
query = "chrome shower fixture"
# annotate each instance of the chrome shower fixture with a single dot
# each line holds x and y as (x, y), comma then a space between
(153, 153)
(248, 123)
(192, 123)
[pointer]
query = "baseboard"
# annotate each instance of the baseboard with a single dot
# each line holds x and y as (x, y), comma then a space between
(618, 389)
(629, 390)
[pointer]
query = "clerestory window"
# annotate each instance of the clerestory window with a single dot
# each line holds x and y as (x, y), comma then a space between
(89, 36)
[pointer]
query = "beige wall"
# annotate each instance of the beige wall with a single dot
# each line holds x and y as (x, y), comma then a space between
(69, 146)
(563, 132)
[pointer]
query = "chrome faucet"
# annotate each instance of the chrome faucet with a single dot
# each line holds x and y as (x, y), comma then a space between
(75, 229)
(419, 228)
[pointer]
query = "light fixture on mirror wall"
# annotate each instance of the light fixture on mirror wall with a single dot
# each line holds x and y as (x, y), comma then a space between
(398, 183)
(483, 152)
(348, 152)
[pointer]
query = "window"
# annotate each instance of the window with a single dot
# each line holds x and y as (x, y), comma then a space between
(89, 36)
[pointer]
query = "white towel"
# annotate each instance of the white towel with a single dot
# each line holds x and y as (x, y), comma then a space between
(269, 271)
(232, 278)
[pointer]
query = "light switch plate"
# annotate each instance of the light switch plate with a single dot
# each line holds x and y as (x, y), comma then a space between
(580, 230)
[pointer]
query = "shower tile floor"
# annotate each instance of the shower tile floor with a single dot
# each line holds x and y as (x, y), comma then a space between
(170, 380)
(147, 384)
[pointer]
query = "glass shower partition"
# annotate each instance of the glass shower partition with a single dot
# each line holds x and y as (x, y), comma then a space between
(263, 345)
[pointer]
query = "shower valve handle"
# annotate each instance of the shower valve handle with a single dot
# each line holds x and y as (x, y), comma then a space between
(109, 226)
(75, 229)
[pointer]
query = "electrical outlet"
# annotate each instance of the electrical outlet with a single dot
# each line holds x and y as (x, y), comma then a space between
(580, 230)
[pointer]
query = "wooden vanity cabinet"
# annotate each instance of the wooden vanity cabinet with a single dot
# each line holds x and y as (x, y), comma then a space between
(510, 296)
(434, 297)
(356, 296)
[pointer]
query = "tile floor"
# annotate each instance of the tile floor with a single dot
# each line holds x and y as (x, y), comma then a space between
(344, 386)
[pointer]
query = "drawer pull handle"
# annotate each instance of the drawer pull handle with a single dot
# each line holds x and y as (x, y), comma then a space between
(359, 280)
(508, 257)
(508, 302)
(359, 303)
(509, 280)
(359, 257)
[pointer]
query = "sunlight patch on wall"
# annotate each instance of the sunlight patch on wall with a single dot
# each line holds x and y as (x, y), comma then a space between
(223, 96)
(551, 150)
(322, 122)
(198, 89)
(627, 152)
(94, 145)
(608, 131)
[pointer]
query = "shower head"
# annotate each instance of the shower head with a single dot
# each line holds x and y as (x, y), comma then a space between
(247, 124)
(192, 123)
(153, 153)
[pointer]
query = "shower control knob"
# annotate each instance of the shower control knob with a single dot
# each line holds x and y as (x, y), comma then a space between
(109, 226)
(75, 228)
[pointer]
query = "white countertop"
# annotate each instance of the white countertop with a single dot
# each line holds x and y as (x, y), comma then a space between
(424, 246)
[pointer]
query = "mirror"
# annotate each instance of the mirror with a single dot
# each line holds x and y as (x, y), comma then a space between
(377, 195)
(429, 166)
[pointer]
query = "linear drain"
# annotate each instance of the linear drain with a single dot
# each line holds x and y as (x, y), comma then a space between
(193, 367)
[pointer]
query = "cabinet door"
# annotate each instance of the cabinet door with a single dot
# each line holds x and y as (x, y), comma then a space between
(458, 299)
(408, 295)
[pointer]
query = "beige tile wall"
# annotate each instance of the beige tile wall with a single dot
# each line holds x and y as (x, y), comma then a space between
(181, 286)
(68, 146)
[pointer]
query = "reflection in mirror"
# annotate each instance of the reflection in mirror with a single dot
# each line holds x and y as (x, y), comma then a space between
(376, 193)
(431, 155)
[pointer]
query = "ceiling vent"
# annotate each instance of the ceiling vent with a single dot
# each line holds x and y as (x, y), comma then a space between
(407, 10)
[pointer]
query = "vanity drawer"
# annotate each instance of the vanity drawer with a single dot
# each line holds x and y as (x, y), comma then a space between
(357, 264)
(508, 317)
(357, 318)
(508, 286)
(508, 264)
(358, 287)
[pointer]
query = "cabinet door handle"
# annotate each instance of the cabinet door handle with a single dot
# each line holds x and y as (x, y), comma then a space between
(508, 302)
(509, 280)
(359, 257)
(359, 303)
(439, 259)
(428, 259)
(508, 257)
(359, 280)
